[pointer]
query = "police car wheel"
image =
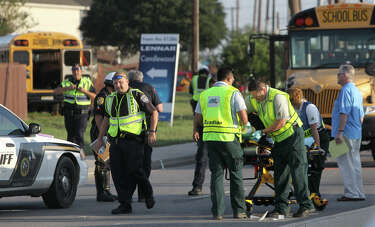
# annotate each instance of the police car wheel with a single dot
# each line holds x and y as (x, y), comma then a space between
(63, 190)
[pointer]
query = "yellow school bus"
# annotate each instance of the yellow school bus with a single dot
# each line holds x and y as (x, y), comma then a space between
(323, 38)
(48, 57)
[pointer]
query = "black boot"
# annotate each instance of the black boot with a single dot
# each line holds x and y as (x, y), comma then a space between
(107, 187)
(102, 186)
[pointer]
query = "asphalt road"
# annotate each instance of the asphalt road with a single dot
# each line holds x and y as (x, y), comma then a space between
(173, 206)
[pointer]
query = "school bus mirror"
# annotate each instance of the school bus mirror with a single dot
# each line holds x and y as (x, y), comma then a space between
(251, 49)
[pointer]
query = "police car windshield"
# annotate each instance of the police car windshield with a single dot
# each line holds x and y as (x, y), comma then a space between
(10, 124)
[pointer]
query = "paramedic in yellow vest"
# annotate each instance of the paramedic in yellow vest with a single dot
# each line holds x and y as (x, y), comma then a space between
(221, 111)
(78, 92)
(125, 125)
(199, 83)
(282, 123)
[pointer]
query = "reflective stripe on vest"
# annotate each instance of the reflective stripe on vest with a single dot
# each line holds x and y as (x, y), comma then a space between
(132, 122)
(197, 91)
(75, 96)
(268, 117)
(218, 123)
(306, 127)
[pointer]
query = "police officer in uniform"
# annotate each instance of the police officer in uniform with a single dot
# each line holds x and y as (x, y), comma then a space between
(198, 84)
(284, 126)
(136, 81)
(221, 111)
(313, 126)
(78, 92)
(102, 171)
(125, 120)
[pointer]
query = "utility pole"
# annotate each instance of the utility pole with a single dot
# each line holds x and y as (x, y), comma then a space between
(273, 17)
(267, 16)
(231, 9)
(259, 16)
(238, 15)
(294, 7)
(255, 15)
(195, 35)
(232, 17)
(278, 23)
(335, 1)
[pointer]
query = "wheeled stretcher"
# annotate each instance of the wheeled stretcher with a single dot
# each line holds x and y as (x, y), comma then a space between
(258, 154)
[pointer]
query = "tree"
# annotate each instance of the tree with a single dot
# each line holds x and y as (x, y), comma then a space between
(12, 17)
(236, 56)
(121, 23)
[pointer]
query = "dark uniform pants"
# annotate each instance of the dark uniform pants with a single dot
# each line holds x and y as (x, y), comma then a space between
(147, 161)
(316, 163)
(226, 155)
(75, 125)
(290, 160)
(201, 158)
(126, 161)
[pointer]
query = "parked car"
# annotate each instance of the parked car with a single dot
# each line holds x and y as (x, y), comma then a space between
(38, 165)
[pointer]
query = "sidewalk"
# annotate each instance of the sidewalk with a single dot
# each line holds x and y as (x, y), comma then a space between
(184, 154)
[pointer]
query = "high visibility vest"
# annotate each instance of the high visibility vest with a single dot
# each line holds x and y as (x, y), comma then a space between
(306, 127)
(197, 91)
(132, 122)
(218, 123)
(268, 117)
(75, 96)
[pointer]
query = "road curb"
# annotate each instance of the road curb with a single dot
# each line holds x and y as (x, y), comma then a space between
(157, 164)
(173, 162)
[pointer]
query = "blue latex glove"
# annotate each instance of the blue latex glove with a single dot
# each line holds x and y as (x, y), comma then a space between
(257, 134)
(309, 141)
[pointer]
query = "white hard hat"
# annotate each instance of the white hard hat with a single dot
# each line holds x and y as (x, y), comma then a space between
(108, 79)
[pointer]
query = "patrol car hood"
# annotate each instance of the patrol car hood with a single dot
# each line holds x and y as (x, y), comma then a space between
(319, 80)
(51, 139)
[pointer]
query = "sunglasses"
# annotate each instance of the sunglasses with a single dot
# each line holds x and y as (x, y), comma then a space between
(75, 69)
(116, 77)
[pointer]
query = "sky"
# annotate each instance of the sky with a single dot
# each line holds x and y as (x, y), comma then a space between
(246, 11)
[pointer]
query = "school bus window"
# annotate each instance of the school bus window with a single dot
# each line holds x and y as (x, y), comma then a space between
(315, 43)
(299, 53)
(351, 45)
(71, 57)
(86, 58)
(21, 57)
(325, 41)
(4, 56)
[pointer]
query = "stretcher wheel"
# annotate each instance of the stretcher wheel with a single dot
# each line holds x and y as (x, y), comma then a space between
(319, 203)
(249, 210)
(249, 207)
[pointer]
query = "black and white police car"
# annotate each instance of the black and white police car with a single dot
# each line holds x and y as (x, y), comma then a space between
(38, 165)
